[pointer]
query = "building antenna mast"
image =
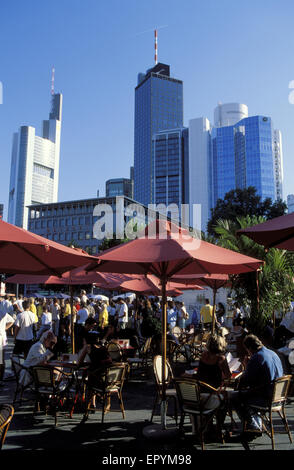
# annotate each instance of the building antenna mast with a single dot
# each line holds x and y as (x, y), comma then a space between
(52, 81)
(155, 47)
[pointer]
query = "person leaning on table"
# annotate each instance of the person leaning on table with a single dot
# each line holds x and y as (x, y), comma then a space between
(255, 385)
(38, 354)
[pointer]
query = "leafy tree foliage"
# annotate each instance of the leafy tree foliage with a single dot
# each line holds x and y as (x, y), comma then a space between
(269, 290)
(243, 202)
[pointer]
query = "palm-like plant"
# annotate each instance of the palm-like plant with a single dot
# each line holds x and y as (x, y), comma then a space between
(272, 288)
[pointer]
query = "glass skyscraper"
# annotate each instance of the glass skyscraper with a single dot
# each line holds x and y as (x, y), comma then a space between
(237, 152)
(242, 156)
(34, 172)
(158, 106)
(170, 167)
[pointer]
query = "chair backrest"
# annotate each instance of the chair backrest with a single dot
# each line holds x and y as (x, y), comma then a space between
(6, 414)
(115, 351)
(43, 376)
(187, 391)
(115, 375)
(281, 388)
(146, 346)
(157, 368)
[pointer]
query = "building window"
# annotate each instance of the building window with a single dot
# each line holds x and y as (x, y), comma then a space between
(81, 236)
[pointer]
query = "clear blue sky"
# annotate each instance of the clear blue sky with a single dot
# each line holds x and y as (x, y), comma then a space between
(223, 50)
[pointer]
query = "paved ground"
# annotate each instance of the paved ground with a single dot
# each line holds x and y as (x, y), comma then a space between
(117, 437)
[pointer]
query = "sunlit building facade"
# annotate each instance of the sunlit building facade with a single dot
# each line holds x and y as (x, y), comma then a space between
(34, 172)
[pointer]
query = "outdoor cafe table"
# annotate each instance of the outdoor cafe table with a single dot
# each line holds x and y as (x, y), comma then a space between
(71, 369)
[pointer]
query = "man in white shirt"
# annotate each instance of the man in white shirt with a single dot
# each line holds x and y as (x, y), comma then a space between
(39, 353)
(84, 297)
(122, 314)
(23, 330)
(6, 321)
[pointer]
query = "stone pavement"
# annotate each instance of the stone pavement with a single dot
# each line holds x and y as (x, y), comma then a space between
(117, 437)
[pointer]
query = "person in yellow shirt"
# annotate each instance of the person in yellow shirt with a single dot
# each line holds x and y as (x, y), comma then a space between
(206, 313)
(103, 316)
(33, 307)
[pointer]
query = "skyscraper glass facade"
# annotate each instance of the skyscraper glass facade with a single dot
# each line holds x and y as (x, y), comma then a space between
(158, 106)
(170, 166)
(242, 156)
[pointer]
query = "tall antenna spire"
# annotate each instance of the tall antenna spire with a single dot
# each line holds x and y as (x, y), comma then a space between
(155, 45)
(52, 80)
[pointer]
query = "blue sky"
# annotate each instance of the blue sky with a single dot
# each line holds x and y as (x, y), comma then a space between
(223, 50)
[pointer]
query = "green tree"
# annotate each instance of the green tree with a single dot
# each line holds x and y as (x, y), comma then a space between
(269, 290)
(243, 202)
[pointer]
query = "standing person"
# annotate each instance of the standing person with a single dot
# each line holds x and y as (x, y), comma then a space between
(6, 321)
(82, 316)
(103, 317)
(171, 315)
(195, 321)
(182, 315)
(220, 313)
(285, 330)
(206, 314)
(23, 330)
(55, 310)
(122, 314)
(46, 321)
(111, 312)
(84, 297)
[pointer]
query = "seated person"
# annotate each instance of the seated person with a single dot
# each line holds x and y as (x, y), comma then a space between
(213, 367)
(89, 333)
(38, 354)
(256, 382)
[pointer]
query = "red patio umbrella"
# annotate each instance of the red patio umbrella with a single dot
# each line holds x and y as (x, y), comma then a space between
(166, 250)
(24, 252)
(274, 233)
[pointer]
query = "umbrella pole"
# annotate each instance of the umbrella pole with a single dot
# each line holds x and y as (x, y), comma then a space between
(163, 343)
(72, 320)
(213, 310)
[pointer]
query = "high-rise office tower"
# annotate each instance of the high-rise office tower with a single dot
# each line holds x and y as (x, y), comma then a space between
(278, 162)
(158, 106)
(235, 153)
(170, 169)
(34, 169)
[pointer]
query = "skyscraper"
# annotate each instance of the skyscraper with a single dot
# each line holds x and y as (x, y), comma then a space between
(34, 169)
(237, 152)
(158, 106)
(278, 162)
(170, 169)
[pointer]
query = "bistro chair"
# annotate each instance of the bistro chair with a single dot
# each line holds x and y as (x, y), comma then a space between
(203, 407)
(170, 392)
(6, 414)
(106, 385)
(17, 368)
(141, 360)
(276, 405)
(115, 351)
(49, 388)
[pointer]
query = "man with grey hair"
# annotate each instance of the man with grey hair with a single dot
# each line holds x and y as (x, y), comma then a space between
(38, 354)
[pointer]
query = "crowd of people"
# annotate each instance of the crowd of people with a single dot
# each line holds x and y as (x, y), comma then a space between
(41, 328)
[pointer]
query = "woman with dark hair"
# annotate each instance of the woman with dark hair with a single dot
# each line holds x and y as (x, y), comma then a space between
(220, 313)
